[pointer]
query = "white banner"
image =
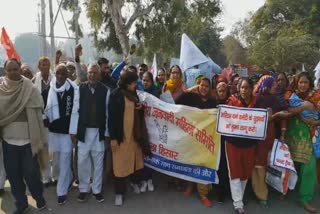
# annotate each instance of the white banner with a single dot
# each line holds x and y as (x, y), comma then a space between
(183, 140)
(242, 122)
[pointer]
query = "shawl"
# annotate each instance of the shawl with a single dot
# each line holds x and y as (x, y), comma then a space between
(17, 96)
(52, 109)
(140, 131)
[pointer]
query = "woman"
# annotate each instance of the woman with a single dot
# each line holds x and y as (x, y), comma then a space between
(160, 79)
(223, 188)
(299, 137)
(216, 80)
(128, 133)
(175, 84)
(148, 84)
(240, 152)
(266, 98)
(146, 173)
(233, 84)
(202, 100)
(283, 83)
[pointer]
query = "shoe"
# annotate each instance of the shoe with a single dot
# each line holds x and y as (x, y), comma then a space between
(239, 211)
(221, 199)
(118, 200)
(135, 187)
(2, 192)
(21, 210)
(62, 199)
(41, 204)
(309, 208)
(263, 204)
(144, 186)
(75, 183)
(82, 197)
(99, 197)
(150, 186)
(46, 185)
(206, 202)
(54, 183)
(188, 191)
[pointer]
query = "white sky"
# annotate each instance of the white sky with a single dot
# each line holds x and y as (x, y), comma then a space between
(19, 16)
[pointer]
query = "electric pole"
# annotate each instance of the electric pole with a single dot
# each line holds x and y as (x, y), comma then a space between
(52, 34)
(76, 20)
(43, 29)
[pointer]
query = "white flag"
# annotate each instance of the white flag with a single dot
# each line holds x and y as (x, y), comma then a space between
(317, 75)
(154, 68)
(190, 54)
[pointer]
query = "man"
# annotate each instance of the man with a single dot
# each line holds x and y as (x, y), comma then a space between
(71, 71)
(92, 132)
(42, 81)
(43, 77)
(23, 135)
(62, 114)
(106, 73)
(141, 70)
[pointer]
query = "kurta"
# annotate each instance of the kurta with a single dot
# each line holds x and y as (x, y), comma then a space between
(127, 157)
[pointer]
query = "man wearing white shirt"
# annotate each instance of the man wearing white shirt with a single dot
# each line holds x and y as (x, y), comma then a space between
(62, 113)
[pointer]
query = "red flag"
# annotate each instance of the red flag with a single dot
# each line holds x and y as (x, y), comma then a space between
(8, 46)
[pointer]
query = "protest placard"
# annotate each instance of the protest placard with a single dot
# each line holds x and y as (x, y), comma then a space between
(242, 122)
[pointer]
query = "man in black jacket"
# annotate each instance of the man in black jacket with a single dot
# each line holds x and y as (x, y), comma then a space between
(92, 132)
(62, 112)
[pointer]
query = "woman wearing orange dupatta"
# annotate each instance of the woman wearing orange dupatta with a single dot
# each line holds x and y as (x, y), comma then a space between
(175, 84)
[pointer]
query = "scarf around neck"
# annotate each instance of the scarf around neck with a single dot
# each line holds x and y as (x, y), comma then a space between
(52, 110)
(172, 87)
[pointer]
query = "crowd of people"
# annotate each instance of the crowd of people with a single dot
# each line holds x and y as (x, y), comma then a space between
(81, 123)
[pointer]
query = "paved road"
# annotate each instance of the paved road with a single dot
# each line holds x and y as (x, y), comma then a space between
(162, 201)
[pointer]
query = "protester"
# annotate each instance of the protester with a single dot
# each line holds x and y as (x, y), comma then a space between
(223, 188)
(128, 132)
(299, 138)
(42, 81)
(201, 100)
(175, 84)
(26, 71)
(106, 73)
(146, 174)
(142, 68)
(23, 135)
(43, 77)
(160, 79)
(283, 83)
(240, 151)
(234, 83)
(266, 90)
(148, 84)
(72, 75)
(92, 132)
(62, 113)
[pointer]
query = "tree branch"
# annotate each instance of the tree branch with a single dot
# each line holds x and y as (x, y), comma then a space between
(137, 13)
